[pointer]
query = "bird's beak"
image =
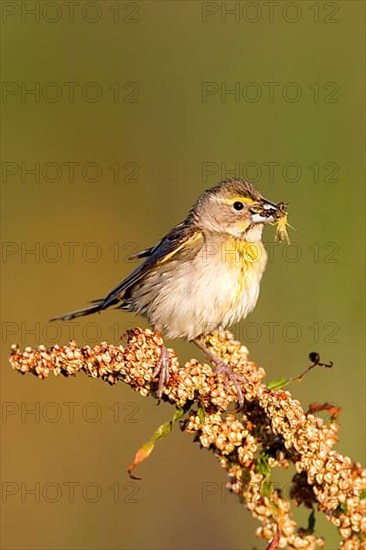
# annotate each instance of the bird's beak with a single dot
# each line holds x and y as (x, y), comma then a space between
(265, 211)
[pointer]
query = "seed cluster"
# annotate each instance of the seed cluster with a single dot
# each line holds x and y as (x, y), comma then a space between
(272, 430)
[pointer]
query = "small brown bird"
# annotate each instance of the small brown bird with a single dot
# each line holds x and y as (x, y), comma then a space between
(203, 275)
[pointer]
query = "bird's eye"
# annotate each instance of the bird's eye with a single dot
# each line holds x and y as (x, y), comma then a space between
(238, 205)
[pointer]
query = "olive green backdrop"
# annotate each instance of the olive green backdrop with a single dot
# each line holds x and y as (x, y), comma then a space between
(137, 107)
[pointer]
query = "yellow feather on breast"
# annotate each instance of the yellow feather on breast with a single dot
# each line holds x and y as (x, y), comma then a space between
(245, 258)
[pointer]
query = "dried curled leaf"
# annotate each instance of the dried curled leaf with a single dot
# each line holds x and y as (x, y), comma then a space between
(275, 542)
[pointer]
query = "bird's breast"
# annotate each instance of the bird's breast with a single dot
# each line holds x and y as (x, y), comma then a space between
(238, 278)
(218, 287)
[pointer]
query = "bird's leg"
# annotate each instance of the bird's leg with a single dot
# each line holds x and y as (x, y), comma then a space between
(162, 369)
(224, 369)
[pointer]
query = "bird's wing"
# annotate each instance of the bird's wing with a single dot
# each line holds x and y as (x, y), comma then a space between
(183, 241)
(143, 254)
(178, 233)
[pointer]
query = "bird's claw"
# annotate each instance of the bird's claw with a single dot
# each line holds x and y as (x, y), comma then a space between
(237, 379)
(162, 371)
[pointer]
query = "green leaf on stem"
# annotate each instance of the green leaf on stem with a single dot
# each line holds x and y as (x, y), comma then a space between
(145, 451)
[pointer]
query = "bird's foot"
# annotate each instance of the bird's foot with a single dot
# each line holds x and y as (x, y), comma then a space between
(229, 375)
(223, 369)
(161, 371)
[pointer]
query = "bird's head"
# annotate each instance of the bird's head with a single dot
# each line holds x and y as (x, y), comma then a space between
(236, 208)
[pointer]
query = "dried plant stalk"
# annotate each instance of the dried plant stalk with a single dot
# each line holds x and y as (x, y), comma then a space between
(272, 430)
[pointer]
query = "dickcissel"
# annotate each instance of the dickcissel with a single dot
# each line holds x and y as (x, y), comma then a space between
(203, 275)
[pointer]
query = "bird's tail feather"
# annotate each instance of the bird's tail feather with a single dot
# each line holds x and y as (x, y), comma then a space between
(98, 306)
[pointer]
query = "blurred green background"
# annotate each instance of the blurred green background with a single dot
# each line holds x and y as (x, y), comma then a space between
(150, 122)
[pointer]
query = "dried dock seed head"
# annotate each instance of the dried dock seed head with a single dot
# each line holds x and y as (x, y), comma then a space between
(272, 430)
